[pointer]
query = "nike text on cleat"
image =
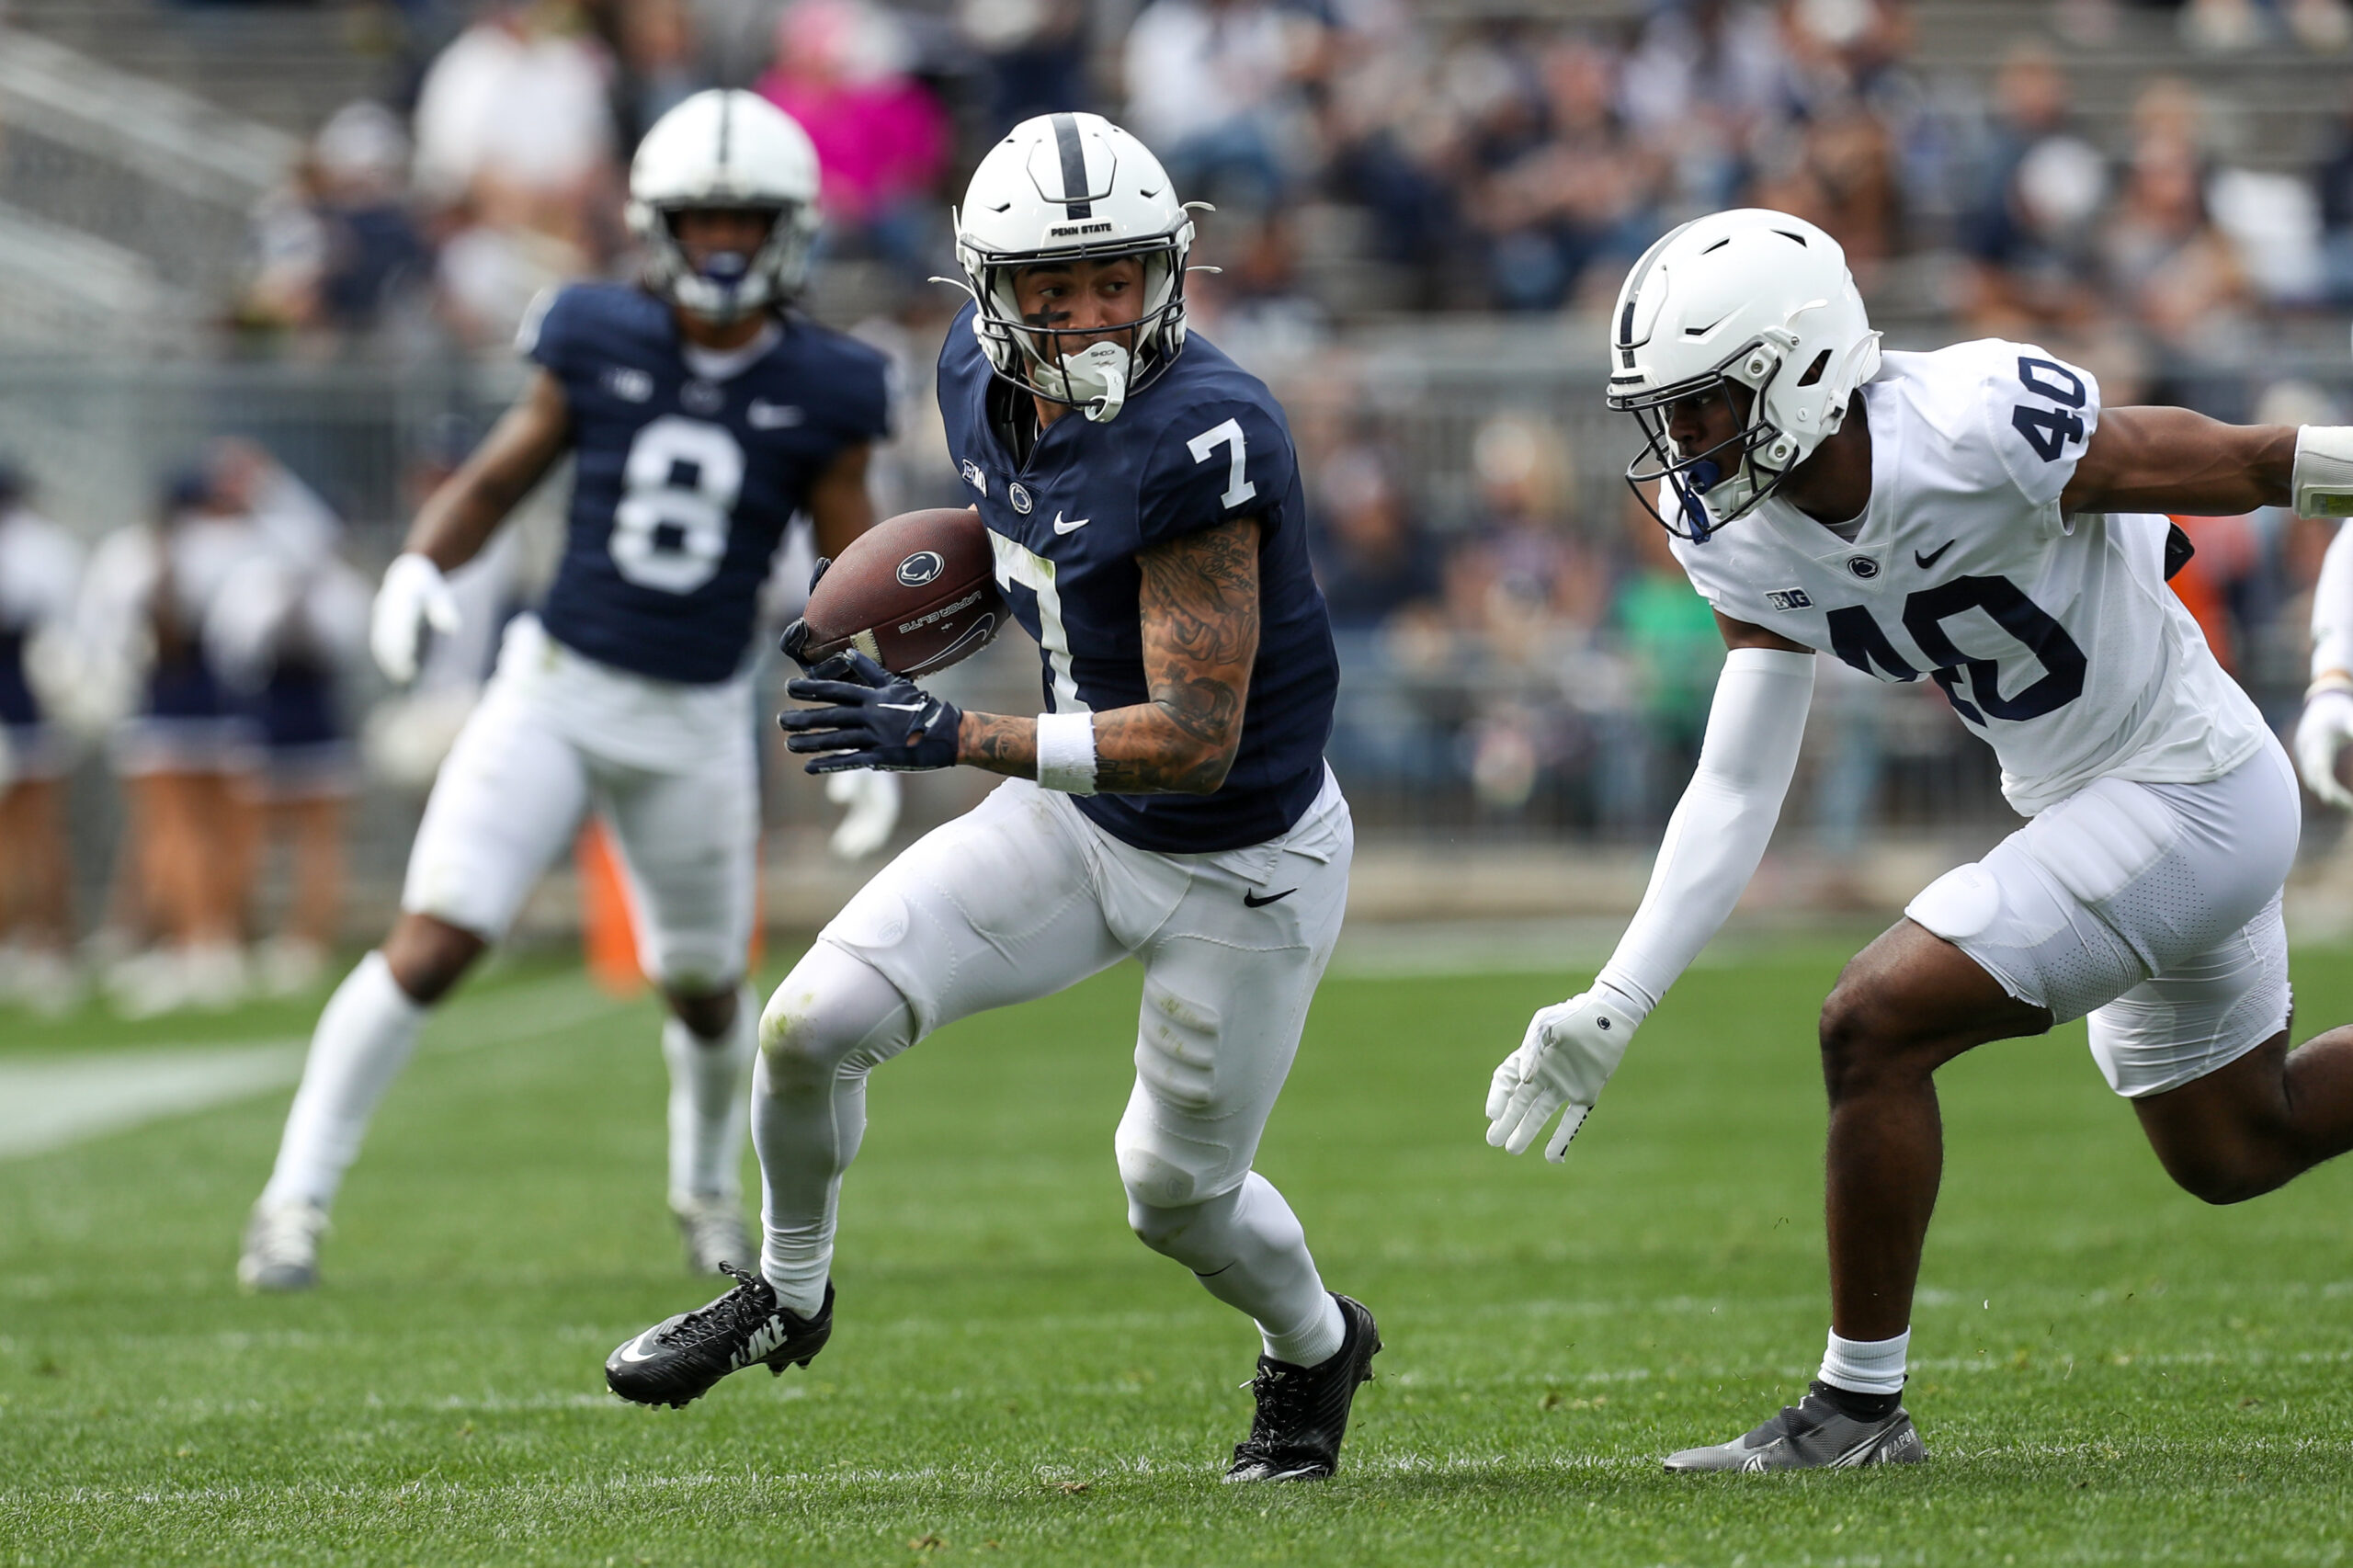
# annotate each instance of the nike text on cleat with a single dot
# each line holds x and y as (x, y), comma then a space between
(1811, 1434)
(713, 1231)
(677, 1360)
(1304, 1410)
(281, 1247)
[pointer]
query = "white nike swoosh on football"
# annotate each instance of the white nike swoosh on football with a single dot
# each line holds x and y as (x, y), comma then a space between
(1064, 528)
(630, 1352)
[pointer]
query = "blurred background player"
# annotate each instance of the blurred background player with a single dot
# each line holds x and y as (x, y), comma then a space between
(1171, 805)
(701, 416)
(174, 922)
(40, 572)
(282, 633)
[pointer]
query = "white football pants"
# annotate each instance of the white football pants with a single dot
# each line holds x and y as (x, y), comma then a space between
(1023, 897)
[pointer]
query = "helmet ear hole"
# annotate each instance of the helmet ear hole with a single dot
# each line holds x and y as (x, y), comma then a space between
(1814, 371)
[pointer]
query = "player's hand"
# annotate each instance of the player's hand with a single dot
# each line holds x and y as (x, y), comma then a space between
(874, 801)
(1568, 1053)
(414, 595)
(2324, 731)
(872, 719)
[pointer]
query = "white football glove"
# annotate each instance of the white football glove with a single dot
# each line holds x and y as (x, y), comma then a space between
(874, 801)
(414, 595)
(2321, 734)
(1569, 1053)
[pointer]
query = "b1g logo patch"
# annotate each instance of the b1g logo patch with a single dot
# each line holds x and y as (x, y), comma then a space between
(1788, 598)
(921, 568)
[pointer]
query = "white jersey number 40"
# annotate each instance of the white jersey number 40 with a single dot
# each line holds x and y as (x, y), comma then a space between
(679, 489)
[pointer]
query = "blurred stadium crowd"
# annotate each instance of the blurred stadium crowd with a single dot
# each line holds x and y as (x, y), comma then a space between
(1422, 210)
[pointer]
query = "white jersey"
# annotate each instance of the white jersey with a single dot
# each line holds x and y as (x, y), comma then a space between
(2055, 638)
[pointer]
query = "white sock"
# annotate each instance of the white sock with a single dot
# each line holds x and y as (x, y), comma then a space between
(1866, 1366)
(831, 1023)
(709, 1102)
(1249, 1251)
(363, 1039)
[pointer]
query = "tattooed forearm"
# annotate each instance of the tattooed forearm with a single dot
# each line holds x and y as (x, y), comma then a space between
(1199, 605)
(1199, 610)
(999, 742)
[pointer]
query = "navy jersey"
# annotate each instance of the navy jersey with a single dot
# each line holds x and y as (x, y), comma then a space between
(1204, 443)
(683, 485)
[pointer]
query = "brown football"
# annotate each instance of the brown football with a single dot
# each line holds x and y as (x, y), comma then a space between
(915, 593)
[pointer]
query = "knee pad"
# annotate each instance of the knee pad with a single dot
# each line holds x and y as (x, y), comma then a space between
(1161, 1170)
(832, 1009)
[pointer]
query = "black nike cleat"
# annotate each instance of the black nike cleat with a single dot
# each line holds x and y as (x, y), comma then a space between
(677, 1360)
(1812, 1434)
(1304, 1410)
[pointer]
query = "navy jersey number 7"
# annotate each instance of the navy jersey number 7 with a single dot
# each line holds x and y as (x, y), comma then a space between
(1204, 443)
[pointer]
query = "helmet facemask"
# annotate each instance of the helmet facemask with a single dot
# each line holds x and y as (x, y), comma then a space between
(1086, 368)
(729, 285)
(1736, 473)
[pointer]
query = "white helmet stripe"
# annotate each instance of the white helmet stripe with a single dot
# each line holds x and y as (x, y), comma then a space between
(1075, 188)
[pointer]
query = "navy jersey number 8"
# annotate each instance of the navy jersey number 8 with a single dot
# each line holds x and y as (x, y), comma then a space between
(682, 479)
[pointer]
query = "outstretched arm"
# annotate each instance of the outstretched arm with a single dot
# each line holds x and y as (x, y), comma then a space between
(1713, 843)
(1199, 613)
(2170, 460)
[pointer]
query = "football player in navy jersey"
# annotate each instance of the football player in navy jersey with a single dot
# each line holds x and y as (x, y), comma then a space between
(1171, 803)
(701, 417)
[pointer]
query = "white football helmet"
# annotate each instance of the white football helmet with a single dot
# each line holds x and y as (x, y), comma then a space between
(1751, 297)
(726, 147)
(1065, 188)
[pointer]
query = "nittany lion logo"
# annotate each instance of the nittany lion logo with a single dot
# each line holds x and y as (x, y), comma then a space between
(921, 568)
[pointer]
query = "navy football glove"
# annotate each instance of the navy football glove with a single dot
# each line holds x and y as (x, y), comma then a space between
(795, 640)
(875, 719)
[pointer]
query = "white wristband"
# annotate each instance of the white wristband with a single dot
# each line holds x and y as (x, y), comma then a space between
(2321, 478)
(1066, 752)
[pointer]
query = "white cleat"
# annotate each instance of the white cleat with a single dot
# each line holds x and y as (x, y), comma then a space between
(715, 1235)
(281, 1247)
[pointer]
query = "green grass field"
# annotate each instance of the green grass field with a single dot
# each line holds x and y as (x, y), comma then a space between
(2106, 1370)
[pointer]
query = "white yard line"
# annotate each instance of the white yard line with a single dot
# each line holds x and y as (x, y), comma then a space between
(51, 1102)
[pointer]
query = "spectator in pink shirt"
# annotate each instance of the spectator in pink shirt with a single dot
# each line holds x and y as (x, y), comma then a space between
(882, 138)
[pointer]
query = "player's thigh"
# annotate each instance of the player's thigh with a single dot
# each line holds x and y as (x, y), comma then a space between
(2198, 1017)
(507, 801)
(1000, 906)
(689, 845)
(2118, 883)
(1226, 990)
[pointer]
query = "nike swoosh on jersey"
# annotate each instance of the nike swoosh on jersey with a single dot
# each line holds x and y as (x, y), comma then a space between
(772, 416)
(1932, 557)
(1064, 528)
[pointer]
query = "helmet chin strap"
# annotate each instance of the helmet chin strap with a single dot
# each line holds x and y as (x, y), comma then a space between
(1096, 379)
